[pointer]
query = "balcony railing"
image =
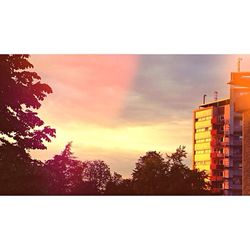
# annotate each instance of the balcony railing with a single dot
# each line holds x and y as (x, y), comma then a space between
(217, 121)
(220, 155)
(217, 190)
(216, 178)
(214, 166)
(236, 155)
(213, 155)
(237, 128)
(237, 142)
(215, 143)
(214, 132)
(216, 155)
(225, 141)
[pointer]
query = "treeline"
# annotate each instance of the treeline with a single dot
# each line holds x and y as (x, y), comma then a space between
(66, 175)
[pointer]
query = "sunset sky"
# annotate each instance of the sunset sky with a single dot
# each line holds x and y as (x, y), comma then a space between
(117, 107)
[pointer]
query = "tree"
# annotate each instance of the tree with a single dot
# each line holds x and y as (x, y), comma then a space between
(182, 180)
(119, 186)
(155, 175)
(65, 172)
(21, 93)
(19, 174)
(96, 173)
(149, 173)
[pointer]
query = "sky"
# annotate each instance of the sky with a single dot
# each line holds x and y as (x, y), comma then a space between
(117, 107)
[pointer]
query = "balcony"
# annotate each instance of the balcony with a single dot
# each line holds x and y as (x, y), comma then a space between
(237, 142)
(220, 155)
(217, 121)
(216, 155)
(227, 174)
(215, 166)
(216, 178)
(225, 142)
(226, 162)
(214, 132)
(216, 190)
(214, 143)
(213, 155)
(236, 155)
(238, 128)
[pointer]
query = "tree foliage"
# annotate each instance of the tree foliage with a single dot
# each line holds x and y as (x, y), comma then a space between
(97, 173)
(65, 172)
(67, 175)
(154, 174)
(149, 173)
(21, 93)
(119, 186)
(19, 174)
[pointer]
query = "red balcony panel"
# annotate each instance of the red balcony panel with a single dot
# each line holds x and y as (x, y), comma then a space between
(214, 120)
(213, 155)
(213, 166)
(214, 132)
(216, 155)
(216, 178)
(216, 190)
(213, 143)
(220, 155)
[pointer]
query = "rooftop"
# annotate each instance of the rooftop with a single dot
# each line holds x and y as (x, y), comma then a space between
(219, 102)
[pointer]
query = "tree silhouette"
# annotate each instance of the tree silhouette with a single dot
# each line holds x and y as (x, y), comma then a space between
(155, 175)
(182, 179)
(149, 174)
(65, 172)
(96, 173)
(19, 174)
(21, 92)
(119, 186)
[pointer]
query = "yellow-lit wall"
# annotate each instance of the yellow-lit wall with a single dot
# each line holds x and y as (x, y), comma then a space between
(202, 138)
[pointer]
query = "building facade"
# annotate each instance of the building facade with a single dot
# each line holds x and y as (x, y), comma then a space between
(217, 145)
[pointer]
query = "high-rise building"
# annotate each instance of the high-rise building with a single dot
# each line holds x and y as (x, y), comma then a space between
(217, 145)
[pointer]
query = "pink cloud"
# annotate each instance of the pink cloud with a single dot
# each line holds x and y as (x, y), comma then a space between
(86, 87)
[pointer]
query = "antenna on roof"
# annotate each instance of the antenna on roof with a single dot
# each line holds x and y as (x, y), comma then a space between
(204, 99)
(238, 63)
(215, 95)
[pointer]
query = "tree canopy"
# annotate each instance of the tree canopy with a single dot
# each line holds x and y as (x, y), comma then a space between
(155, 174)
(64, 171)
(21, 129)
(21, 93)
